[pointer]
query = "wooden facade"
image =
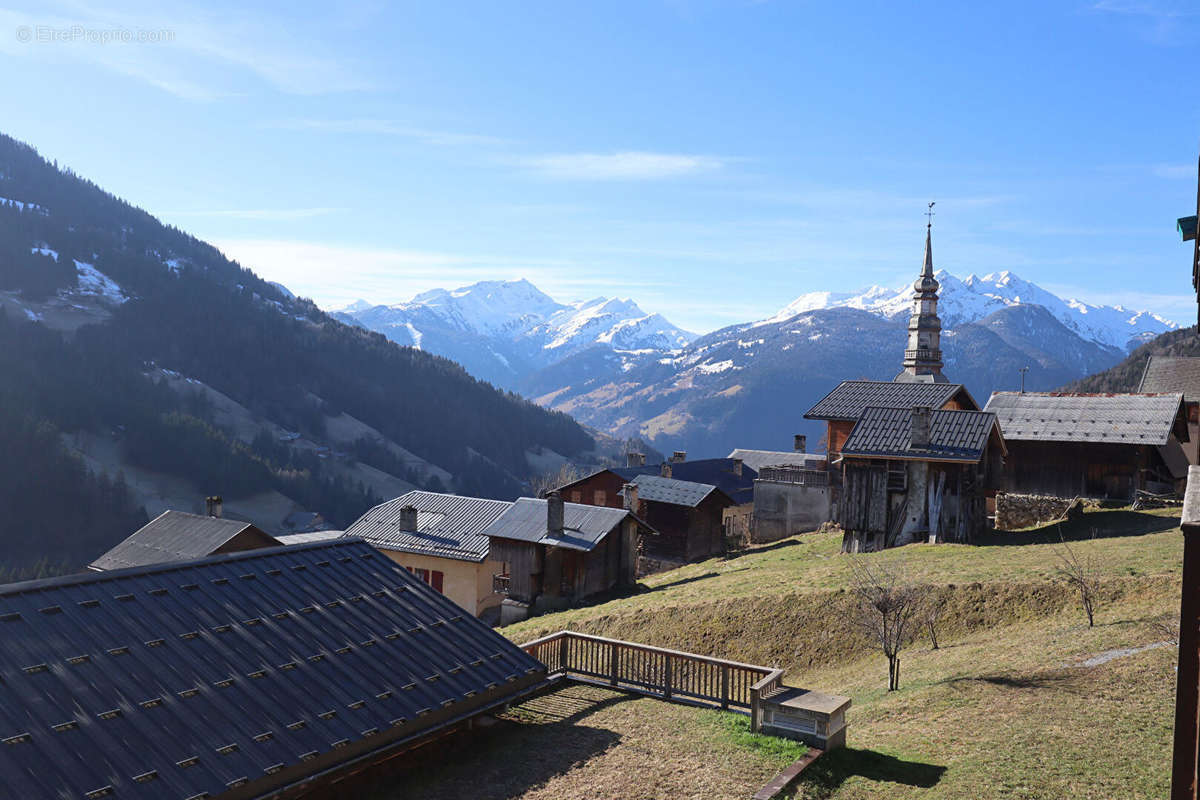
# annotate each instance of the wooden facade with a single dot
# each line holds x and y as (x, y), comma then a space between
(601, 488)
(685, 533)
(563, 574)
(1085, 469)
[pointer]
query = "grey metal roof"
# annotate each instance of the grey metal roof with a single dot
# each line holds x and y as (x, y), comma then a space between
(757, 459)
(658, 489)
(1172, 374)
(953, 435)
(175, 536)
(233, 675)
(308, 538)
(1061, 417)
(448, 525)
(583, 525)
(847, 401)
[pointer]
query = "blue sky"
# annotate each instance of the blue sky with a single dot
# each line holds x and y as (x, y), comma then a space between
(712, 160)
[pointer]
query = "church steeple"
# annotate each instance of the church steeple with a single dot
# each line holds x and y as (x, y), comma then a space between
(923, 356)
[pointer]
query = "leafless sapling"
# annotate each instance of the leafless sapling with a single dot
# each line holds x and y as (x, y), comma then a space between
(1081, 573)
(548, 481)
(885, 604)
(931, 615)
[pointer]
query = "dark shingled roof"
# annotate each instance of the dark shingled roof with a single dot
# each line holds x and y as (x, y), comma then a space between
(850, 398)
(673, 491)
(1172, 374)
(953, 435)
(234, 675)
(717, 471)
(448, 525)
(583, 526)
(1061, 417)
(178, 536)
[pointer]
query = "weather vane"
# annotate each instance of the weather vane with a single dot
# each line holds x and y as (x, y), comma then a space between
(929, 214)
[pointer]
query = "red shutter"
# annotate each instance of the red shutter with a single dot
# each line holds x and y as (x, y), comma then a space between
(437, 581)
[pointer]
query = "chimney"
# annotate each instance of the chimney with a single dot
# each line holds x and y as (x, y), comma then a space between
(921, 416)
(554, 513)
(408, 518)
(679, 456)
(631, 498)
(635, 459)
(213, 505)
(737, 467)
(665, 470)
(800, 443)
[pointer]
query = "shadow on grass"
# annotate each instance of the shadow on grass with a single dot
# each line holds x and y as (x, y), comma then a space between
(832, 769)
(1107, 525)
(683, 581)
(1058, 680)
(531, 744)
(763, 548)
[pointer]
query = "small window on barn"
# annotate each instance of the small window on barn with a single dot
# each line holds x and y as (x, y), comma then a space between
(599, 498)
(897, 476)
(576, 496)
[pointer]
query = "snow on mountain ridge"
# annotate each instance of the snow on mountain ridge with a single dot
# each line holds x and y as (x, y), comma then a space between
(972, 298)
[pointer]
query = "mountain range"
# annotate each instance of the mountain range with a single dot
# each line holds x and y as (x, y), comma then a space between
(634, 374)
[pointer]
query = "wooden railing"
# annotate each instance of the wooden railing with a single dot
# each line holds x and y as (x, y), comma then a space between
(797, 475)
(656, 671)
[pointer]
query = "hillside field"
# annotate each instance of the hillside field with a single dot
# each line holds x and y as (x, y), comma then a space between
(1022, 699)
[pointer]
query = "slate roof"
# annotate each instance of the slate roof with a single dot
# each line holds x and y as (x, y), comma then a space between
(673, 491)
(1062, 417)
(757, 459)
(953, 435)
(850, 398)
(175, 536)
(233, 675)
(1172, 374)
(448, 525)
(584, 526)
(717, 471)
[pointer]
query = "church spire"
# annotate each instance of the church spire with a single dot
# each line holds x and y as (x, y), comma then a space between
(923, 356)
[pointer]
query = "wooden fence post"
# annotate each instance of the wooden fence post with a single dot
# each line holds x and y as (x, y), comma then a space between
(614, 663)
(667, 676)
(725, 686)
(562, 652)
(755, 708)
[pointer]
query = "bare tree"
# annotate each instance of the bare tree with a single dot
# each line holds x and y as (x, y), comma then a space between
(547, 481)
(1082, 573)
(885, 606)
(931, 615)
(1168, 628)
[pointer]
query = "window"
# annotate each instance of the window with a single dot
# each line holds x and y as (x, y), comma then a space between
(576, 496)
(599, 498)
(897, 479)
(433, 577)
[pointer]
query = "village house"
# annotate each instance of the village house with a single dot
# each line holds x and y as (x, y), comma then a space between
(1092, 445)
(918, 475)
(239, 676)
(179, 536)
(688, 517)
(1177, 374)
(791, 493)
(439, 538)
(551, 554)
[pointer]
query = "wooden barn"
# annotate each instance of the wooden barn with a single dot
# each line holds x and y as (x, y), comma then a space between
(1092, 445)
(178, 536)
(1169, 374)
(600, 488)
(555, 553)
(917, 474)
(278, 672)
(688, 517)
(841, 408)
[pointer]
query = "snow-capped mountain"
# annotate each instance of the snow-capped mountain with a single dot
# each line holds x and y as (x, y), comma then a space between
(973, 298)
(503, 330)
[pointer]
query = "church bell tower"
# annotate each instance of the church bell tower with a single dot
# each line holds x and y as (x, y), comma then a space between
(923, 356)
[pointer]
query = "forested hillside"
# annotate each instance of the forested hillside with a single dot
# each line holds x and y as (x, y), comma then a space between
(100, 304)
(1127, 375)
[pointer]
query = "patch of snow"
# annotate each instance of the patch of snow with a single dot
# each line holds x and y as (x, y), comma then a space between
(720, 366)
(32, 315)
(46, 251)
(416, 335)
(20, 205)
(95, 283)
(283, 290)
(174, 264)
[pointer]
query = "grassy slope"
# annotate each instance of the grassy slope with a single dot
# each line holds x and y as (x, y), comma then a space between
(1004, 709)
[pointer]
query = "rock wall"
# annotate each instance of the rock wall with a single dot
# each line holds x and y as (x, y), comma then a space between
(1017, 511)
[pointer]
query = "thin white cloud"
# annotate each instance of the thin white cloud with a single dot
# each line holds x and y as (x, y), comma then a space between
(620, 166)
(1174, 170)
(386, 127)
(261, 214)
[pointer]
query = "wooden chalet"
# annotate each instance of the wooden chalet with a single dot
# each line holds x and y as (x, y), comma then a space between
(179, 536)
(842, 408)
(917, 474)
(270, 673)
(688, 517)
(439, 538)
(555, 553)
(600, 488)
(1092, 445)
(1177, 374)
